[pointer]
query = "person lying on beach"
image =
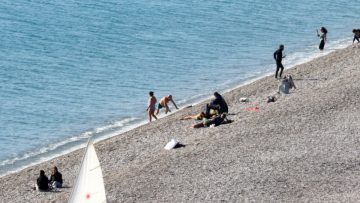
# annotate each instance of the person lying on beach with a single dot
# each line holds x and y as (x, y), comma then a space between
(218, 120)
(218, 104)
(164, 103)
(356, 33)
(199, 116)
(42, 182)
(286, 84)
(151, 106)
(56, 180)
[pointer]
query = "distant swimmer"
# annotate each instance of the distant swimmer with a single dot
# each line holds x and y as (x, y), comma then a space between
(151, 106)
(164, 103)
(322, 36)
(278, 56)
(356, 33)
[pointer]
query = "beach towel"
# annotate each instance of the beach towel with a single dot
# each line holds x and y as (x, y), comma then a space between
(253, 109)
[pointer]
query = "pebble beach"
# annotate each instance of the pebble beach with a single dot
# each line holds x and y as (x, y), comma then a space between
(302, 148)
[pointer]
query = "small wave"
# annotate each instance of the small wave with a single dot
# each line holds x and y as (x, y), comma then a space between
(116, 124)
(68, 145)
(48, 148)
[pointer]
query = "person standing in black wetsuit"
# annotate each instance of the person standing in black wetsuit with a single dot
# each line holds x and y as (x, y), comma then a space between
(322, 36)
(356, 33)
(278, 56)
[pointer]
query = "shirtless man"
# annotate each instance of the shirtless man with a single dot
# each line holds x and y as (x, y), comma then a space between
(164, 103)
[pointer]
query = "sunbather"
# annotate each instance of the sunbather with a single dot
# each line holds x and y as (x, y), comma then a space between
(199, 116)
(218, 120)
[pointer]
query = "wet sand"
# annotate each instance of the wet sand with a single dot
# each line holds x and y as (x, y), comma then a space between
(303, 147)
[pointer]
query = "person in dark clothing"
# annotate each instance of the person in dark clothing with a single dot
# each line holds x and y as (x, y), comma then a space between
(218, 120)
(42, 183)
(356, 33)
(278, 56)
(56, 178)
(322, 36)
(218, 104)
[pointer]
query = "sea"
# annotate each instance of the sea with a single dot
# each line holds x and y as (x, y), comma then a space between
(75, 69)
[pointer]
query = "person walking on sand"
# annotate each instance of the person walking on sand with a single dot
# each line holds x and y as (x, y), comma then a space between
(164, 103)
(151, 106)
(278, 56)
(356, 33)
(322, 36)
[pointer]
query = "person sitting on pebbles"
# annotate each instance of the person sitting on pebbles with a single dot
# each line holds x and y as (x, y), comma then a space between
(286, 84)
(56, 180)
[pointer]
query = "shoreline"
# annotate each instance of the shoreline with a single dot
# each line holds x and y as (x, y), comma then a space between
(341, 43)
(275, 161)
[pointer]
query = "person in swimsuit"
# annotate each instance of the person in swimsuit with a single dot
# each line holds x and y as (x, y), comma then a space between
(151, 106)
(164, 103)
(278, 56)
(356, 33)
(42, 183)
(199, 116)
(322, 36)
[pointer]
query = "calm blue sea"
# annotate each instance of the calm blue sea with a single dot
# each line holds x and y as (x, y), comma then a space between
(74, 69)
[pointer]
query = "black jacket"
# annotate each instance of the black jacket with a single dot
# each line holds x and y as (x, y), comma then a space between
(56, 177)
(43, 183)
(219, 101)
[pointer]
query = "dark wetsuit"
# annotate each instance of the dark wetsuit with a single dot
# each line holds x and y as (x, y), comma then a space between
(278, 56)
(356, 38)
